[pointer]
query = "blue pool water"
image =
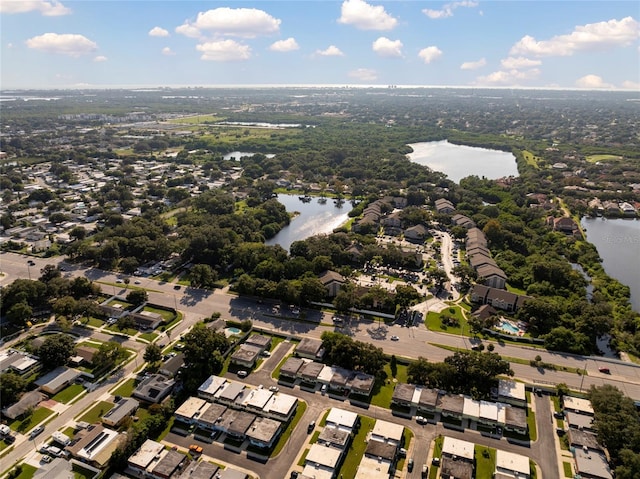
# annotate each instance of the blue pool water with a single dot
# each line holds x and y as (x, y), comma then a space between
(232, 331)
(508, 327)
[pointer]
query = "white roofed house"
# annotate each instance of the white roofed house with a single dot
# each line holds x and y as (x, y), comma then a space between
(457, 459)
(190, 410)
(510, 465)
(123, 409)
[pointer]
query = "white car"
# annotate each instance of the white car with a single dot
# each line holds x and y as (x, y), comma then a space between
(395, 338)
(274, 389)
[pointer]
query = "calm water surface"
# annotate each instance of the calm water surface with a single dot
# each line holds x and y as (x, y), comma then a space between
(314, 218)
(618, 242)
(458, 161)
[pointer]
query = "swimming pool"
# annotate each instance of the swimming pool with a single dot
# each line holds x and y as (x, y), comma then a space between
(231, 331)
(508, 327)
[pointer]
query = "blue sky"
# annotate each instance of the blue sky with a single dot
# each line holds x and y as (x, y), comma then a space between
(571, 44)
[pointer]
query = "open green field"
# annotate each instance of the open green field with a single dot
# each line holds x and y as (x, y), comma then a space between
(597, 158)
(434, 323)
(29, 422)
(485, 462)
(167, 315)
(69, 393)
(531, 159)
(125, 389)
(28, 471)
(95, 413)
(196, 119)
(382, 393)
(358, 446)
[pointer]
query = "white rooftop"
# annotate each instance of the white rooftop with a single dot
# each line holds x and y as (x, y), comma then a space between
(324, 456)
(458, 447)
(211, 385)
(511, 389)
(577, 404)
(280, 404)
(191, 408)
(370, 468)
(512, 462)
(471, 407)
(257, 398)
(325, 375)
(145, 455)
(387, 431)
(342, 419)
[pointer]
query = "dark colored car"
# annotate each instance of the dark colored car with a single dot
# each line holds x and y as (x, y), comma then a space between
(410, 465)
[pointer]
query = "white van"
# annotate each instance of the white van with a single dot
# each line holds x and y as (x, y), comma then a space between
(4, 429)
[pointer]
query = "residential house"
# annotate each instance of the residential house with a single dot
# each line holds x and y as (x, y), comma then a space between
(444, 206)
(511, 465)
(154, 388)
(416, 234)
(333, 282)
(123, 409)
(56, 380)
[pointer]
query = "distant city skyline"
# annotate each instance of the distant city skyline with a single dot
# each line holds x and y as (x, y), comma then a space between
(46, 44)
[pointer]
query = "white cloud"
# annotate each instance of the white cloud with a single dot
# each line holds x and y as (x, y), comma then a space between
(516, 63)
(473, 65)
(364, 74)
(508, 77)
(330, 51)
(287, 45)
(167, 51)
(631, 85)
(366, 17)
(158, 32)
(592, 81)
(447, 9)
(66, 44)
(592, 36)
(224, 51)
(238, 22)
(100, 58)
(387, 48)
(46, 8)
(430, 54)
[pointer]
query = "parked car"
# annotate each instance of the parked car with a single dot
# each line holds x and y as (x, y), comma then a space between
(410, 465)
(177, 287)
(395, 338)
(274, 389)
(421, 419)
(36, 431)
(242, 373)
(46, 459)
(311, 427)
(604, 370)
(194, 448)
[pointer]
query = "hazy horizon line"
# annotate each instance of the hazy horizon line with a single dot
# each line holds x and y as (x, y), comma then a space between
(304, 86)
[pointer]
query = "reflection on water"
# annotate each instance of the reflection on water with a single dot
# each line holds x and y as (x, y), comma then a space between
(458, 161)
(618, 243)
(315, 217)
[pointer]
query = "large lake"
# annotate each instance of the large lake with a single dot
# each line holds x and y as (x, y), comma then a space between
(618, 242)
(458, 161)
(314, 218)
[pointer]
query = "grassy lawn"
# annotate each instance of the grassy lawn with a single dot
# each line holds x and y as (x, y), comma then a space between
(531, 422)
(383, 392)
(531, 159)
(303, 458)
(28, 471)
(556, 403)
(68, 394)
(434, 323)
(302, 407)
(69, 431)
(596, 158)
(513, 289)
(167, 316)
(80, 472)
(127, 331)
(167, 428)
(95, 322)
(568, 471)
(125, 389)
(24, 425)
(437, 452)
(148, 336)
(96, 412)
(485, 462)
(358, 446)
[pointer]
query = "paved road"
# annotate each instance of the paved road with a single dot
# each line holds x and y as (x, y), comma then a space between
(414, 342)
